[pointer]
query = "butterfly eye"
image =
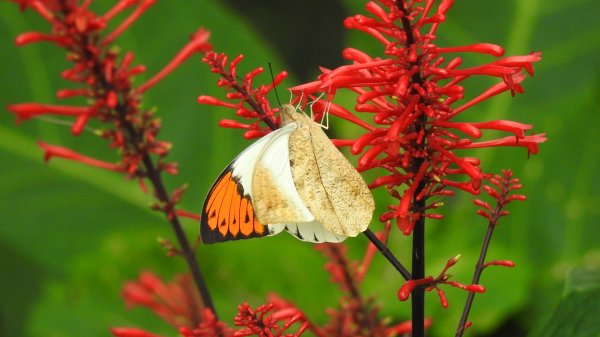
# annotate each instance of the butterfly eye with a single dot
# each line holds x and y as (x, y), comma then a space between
(287, 112)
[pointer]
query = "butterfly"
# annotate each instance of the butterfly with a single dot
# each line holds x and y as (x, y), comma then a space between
(293, 179)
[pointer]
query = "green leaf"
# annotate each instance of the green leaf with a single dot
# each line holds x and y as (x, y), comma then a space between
(580, 279)
(576, 316)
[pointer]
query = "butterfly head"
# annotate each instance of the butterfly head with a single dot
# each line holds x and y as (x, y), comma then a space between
(289, 114)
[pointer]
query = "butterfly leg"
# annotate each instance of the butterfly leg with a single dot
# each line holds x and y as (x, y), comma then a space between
(325, 116)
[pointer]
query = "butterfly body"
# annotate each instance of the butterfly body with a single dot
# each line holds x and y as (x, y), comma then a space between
(293, 179)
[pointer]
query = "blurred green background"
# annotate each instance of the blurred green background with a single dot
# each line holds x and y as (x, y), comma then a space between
(70, 235)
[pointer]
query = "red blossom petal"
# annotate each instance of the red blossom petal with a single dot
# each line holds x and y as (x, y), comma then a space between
(482, 48)
(31, 37)
(118, 7)
(131, 332)
(342, 142)
(228, 123)
(409, 285)
(443, 299)
(503, 263)
(341, 112)
(199, 43)
(51, 151)
(79, 124)
(215, 101)
(530, 142)
(144, 5)
(190, 215)
(26, 111)
(502, 125)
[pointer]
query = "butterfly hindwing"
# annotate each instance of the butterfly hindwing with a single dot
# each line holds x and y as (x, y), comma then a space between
(328, 184)
(312, 232)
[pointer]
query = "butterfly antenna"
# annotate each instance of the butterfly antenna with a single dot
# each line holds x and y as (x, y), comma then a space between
(62, 122)
(273, 81)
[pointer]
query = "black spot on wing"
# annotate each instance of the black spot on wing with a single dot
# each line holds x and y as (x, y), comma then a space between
(298, 235)
(209, 235)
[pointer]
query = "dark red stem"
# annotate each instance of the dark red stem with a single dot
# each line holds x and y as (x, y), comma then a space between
(480, 266)
(418, 247)
(163, 197)
(153, 174)
(476, 276)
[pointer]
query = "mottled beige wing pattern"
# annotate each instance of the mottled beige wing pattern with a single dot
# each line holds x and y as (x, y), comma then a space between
(273, 192)
(327, 183)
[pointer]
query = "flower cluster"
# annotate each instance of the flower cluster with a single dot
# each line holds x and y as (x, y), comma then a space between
(432, 283)
(247, 101)
(356, 316)
(502, 191)
(407, 101)
(178, 304)
(413, 95)
(104, 78)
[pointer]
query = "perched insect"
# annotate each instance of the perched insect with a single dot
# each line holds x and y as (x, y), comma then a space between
(292, 179)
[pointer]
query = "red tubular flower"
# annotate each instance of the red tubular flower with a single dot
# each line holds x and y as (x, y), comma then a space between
(143, 6)
(177, 302)
(503, 263)
(198, 43)
(431, 283)
(131, 332)
(51, 151)
(29, 110)
(408, 286)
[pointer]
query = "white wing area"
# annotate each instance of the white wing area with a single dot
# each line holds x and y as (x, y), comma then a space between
(275, 163)
(243, 165)
(310, 231)
(272, 152)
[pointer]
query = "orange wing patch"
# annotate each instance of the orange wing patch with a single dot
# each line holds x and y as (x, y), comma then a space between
(228, 213)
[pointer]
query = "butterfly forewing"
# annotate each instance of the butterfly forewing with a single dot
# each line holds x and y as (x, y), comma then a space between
(274, 193)
(228, 212)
